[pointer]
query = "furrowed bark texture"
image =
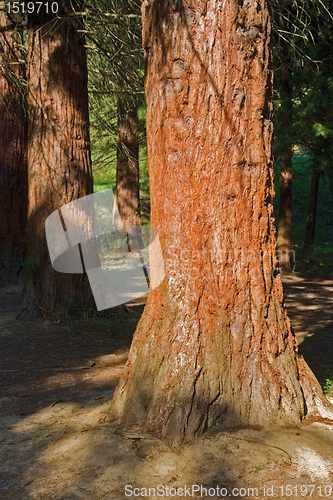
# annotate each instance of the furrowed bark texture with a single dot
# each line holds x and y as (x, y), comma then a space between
(13, 160)
(127, 181)
(59, 167)
(214, 344)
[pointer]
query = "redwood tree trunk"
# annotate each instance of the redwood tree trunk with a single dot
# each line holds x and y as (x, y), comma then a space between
(127, 181)
(312, 211)
(214, 344)
(59, 166)
(13, 161)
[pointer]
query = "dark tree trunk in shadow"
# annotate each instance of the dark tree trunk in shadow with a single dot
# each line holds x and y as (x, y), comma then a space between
(59, 166)
(312, 211)
(127, 181)
(13, 160)
(285, 214)
(285, 201)
(214, 344)
(329, 171)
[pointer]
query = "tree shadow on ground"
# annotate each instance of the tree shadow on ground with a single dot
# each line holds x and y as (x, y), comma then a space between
(55, 391)
(56, 442)
(309, 300)
(317, 349)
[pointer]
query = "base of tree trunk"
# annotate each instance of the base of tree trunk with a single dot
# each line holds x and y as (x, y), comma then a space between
(61, 292)
(178, 386)
(11, 269)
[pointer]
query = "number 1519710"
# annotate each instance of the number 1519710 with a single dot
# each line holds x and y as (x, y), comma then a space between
(31, 7)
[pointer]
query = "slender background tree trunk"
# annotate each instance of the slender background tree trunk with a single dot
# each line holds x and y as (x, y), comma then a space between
(127, 180)
(285, 214)
(13, 160)
(312, 211)
(59, 166)
(329, 171)
(286, 176)
(214, 344)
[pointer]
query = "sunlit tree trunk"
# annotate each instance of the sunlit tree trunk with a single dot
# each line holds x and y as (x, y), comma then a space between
(59, 167)
(214, 344)
(127, 181)
(312, 210)
(13, 161)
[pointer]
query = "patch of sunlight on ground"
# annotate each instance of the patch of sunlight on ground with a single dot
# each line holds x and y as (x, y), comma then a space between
(312, 463)
(308, 308)
(110, 368)
(78, 457)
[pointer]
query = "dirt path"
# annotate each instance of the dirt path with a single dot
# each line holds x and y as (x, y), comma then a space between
(56, 384)
(309, 300)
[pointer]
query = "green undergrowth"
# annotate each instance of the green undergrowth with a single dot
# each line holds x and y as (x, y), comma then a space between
(327, 386)
(104, 186)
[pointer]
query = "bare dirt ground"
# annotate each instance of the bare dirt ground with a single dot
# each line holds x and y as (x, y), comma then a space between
(56, 384)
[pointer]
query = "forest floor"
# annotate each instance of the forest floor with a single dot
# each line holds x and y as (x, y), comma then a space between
(56, 384)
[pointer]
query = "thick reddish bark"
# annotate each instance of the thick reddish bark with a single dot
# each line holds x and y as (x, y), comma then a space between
(214, 344)
(59, 167)
(312, 211)
(13, 161)
(127, 181)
